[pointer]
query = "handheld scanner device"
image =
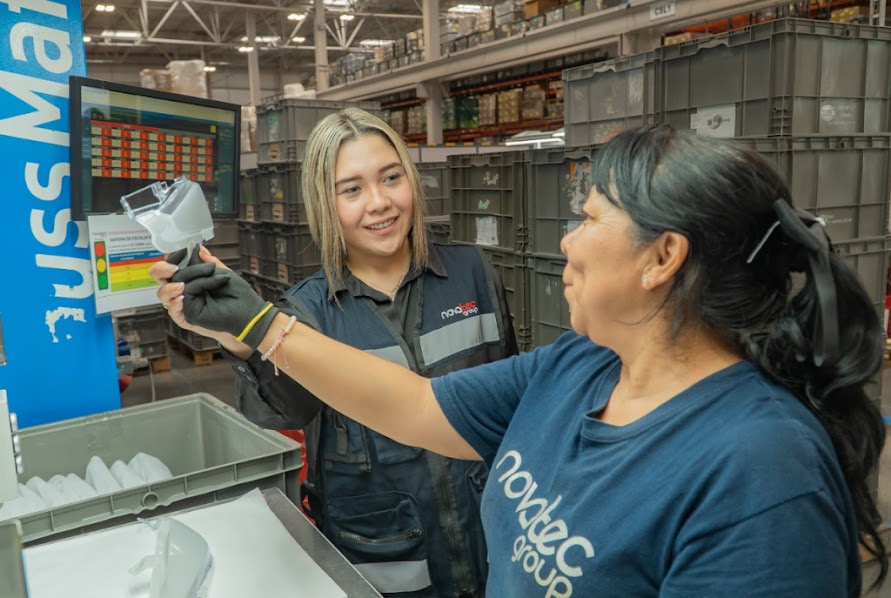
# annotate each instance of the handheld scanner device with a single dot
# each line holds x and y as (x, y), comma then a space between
(10, 458)
(176, 215)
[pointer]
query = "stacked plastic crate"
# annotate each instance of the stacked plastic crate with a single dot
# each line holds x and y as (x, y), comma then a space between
(814, 97)
(276, 247)
(140, 332)
(488, 208)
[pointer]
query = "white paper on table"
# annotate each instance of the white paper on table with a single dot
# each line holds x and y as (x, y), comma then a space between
(253, 555)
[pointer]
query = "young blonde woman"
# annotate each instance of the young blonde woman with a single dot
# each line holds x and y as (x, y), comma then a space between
(703, 431)
(407, 518)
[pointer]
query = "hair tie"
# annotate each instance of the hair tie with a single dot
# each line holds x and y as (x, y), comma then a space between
(809, 232)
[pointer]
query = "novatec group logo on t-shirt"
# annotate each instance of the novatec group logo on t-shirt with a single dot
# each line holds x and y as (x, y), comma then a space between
(546, 548)
(464, 309)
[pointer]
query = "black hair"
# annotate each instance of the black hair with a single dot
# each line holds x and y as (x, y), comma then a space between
(720, 196)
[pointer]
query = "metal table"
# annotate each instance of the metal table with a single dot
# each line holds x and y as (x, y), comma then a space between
(318, 547)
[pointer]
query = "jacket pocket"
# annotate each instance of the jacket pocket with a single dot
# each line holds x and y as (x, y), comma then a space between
(389, 451)
(382, 535)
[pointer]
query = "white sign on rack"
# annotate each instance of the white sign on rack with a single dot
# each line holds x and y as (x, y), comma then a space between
(662, 10)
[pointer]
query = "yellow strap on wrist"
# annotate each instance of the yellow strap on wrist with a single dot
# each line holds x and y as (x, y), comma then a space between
(251, 324)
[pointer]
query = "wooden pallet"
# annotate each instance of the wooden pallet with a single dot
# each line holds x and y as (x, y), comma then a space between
(199, 357)
(158, 365)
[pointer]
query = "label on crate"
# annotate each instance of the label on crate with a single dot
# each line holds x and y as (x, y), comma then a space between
(576, 185)
(715, 121)
(490, 178)
(486, 230)
(662, 10)
(838, 116)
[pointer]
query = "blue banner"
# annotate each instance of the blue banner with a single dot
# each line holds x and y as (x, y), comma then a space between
(60, 357)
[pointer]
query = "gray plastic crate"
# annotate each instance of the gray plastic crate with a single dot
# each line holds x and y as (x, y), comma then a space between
(488, 199)
(438, 229)
(211, 450)
(785, 77)
(250, 241)
(284, 125)
(603, 99)
(143, 326)
(435, 180)
(868, 258)
(192, 340)
(511, 267)
(278, 193)
(559, 180)
(288, 252)
(842, 179)
(247, 195)
(549, 311)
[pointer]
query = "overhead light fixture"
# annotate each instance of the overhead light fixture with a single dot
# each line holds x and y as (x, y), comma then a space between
(535, 138)
(87, 39)
(372, 43)
(245, 49)
(122, 34)
(347, 17)
(466, 9)
(105, 7)
(264, 39)
(298, 39)
(210, 69)
(336, 2)
(296, 16)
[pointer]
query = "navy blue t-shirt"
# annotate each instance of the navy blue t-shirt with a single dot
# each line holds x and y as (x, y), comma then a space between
(730, 488)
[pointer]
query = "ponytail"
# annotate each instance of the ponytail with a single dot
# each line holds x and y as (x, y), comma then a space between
(835, 391)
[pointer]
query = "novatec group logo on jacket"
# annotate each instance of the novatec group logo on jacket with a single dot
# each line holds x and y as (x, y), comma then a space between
(464, 309)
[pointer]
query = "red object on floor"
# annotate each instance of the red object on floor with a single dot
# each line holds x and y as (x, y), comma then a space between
(124, 381)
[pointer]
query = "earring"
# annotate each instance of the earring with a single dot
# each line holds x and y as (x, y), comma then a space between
(644, 279)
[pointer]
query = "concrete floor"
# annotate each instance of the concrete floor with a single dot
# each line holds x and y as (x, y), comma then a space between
(183, 378)
(218, 380)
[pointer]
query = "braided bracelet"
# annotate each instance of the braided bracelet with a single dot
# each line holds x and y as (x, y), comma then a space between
(278, 341)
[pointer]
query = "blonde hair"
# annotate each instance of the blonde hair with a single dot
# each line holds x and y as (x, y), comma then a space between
(318, 190)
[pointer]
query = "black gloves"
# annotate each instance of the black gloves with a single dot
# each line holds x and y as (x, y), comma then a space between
(219, 299)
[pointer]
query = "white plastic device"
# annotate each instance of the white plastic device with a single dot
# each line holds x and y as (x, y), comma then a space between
(176, 215)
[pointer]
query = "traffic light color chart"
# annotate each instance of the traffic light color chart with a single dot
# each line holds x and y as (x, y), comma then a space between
(122, 253)
(136, 152)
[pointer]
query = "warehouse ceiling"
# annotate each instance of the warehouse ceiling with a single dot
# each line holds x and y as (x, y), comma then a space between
(153, 32)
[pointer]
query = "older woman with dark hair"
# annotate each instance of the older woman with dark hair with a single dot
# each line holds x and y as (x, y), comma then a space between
(704, 428)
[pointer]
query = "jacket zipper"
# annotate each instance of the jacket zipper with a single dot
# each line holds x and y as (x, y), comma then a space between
(414, 532)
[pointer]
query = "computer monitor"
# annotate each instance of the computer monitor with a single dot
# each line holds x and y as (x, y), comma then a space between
(124, 138)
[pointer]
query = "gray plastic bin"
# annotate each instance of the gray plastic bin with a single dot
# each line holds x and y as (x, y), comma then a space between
(559, 180)
(435, 181)
(284, 125)
(288, 253)
(549, 311)
(868, 258)
(603, 99)
(785, 77)
(279, 196)
(212, 451)
(842, 179)
(247, 195)
(488, 199)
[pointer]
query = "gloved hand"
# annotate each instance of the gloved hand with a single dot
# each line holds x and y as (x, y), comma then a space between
(219, 299)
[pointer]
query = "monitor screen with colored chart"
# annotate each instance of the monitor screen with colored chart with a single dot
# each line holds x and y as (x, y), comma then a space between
(124, 138)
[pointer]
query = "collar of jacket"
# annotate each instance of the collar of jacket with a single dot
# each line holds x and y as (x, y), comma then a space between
(357, 288)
